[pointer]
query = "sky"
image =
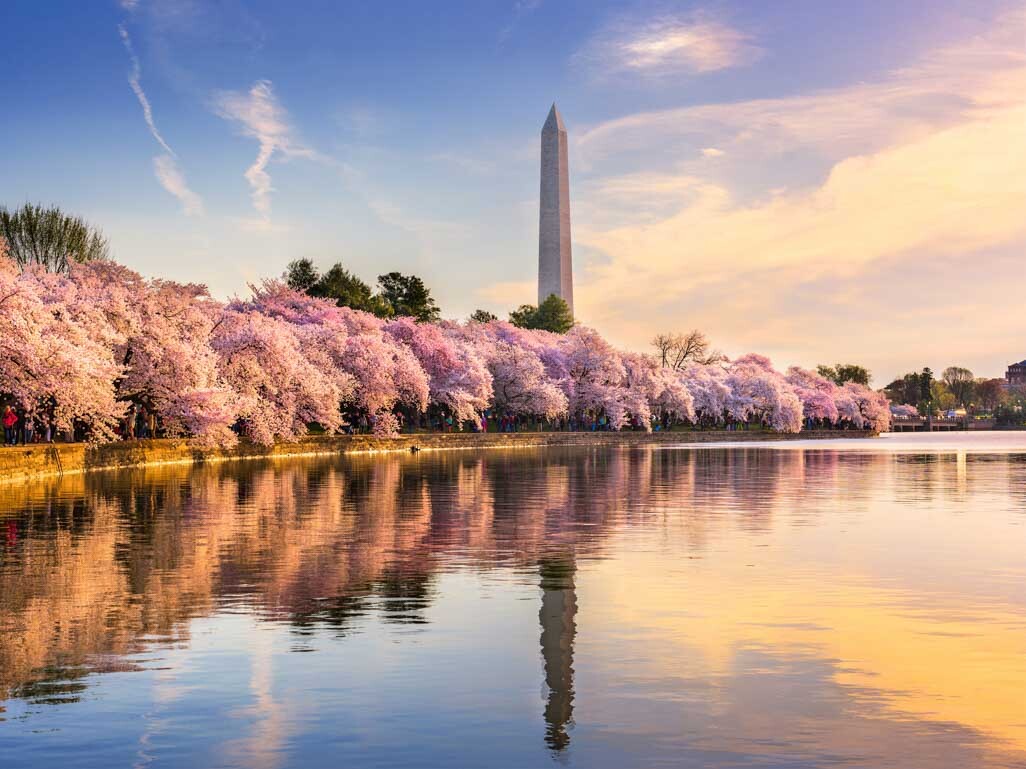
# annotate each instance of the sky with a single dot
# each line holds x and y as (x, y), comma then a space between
(817, 182)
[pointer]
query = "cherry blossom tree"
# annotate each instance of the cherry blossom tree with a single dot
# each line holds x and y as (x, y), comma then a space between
(595, 376)
(387, 374)
(84, 344)
(321, 331)
(161, 333)
(709, 391)
(848, 409)
(873, 406)
(458, 377)
(279, 390)
(760, 392)
(51, 361)
(904, 410)
(521, 384)
(671, 396)
(817, 393)
(649, 389)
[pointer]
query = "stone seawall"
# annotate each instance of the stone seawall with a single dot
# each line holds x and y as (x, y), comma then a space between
(45, 460)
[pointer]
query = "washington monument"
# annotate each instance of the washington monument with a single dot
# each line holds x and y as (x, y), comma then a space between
(555, 266)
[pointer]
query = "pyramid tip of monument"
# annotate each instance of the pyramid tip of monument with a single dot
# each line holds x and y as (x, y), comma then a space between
(555, 118)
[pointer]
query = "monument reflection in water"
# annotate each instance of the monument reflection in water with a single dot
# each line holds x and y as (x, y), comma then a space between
(717, 607)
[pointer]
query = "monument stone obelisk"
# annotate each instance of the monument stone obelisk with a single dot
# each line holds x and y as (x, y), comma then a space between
(555, 266)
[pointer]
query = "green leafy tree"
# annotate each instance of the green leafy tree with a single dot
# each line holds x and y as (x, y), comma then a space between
(551, 315)
(302, 275)
(905, 390)
(961, 383)
(482, 316)
(845, 372)
(339, 284)
(523, 316)
(990, 393)
(50, 237)
(1012, 412)
(941, 397)
(348, 290)
(407, 295)
(399, 294)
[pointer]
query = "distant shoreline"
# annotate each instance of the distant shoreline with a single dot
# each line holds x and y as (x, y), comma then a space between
(24, 463)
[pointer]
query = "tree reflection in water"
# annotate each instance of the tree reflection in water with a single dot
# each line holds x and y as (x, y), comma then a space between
(95, 569)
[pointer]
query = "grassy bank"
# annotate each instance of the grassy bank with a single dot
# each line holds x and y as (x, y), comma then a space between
(44, 460)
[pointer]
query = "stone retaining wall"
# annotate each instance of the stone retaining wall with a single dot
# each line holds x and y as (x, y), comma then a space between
(42, 460)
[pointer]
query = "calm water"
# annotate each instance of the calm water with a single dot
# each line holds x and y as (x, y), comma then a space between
(795, 605)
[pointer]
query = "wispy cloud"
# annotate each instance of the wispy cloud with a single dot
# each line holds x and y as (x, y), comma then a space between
(903, 177)
(937, 91)
(172, 180)
(165, 166)
(669, 45)
(261, 117)
(134, 76)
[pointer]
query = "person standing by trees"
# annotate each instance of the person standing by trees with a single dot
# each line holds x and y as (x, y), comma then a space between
(130, 423)
(10, 421)
(28, 428)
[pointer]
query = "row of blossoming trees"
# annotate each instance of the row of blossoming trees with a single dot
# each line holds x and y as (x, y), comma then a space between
(80, 347)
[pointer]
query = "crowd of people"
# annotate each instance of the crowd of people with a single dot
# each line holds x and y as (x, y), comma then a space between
(25, 428)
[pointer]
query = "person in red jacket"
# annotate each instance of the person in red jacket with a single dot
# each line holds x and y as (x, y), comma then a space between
(10, 421)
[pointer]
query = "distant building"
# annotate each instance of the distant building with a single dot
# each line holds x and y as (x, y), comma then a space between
(1016, 374)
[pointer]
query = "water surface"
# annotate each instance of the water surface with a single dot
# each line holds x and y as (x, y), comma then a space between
(809, 604)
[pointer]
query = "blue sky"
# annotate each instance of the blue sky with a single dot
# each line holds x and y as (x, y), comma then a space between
(743, 167)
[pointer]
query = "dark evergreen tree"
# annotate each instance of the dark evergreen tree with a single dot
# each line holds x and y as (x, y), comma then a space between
(408, 296)
(551, 315)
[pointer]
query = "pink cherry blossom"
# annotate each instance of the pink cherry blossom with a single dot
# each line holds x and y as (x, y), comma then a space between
(54, 360)
(709, 391)
(904, 410)
(873, 406)
(595, 376)
(82, 346)
(818, 394)
(458, 377)
(759, 393)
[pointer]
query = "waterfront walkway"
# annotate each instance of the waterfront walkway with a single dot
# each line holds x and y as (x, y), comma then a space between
(54, 459)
